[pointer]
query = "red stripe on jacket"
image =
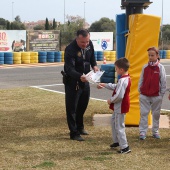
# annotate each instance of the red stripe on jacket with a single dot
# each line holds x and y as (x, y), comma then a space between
(125, 103)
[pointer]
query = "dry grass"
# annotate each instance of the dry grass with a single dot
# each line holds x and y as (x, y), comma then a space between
(34, 135)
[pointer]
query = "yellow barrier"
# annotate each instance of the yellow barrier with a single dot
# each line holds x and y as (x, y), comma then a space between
(144, 33)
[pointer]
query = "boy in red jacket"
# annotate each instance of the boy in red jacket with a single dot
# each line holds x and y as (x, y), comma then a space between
(152, 87)
(120, 103)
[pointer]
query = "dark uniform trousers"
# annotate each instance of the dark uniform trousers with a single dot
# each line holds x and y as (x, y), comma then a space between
(77, 99)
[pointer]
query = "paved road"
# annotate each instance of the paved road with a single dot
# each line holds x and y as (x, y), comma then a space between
(24, 76)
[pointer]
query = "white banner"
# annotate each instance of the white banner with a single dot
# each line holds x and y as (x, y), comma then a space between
(102, 40)
(12, 40)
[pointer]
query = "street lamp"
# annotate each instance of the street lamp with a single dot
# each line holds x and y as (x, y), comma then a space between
(64, 15)
(12, 12)
(162, 26)
(84, 14)
(64, 11)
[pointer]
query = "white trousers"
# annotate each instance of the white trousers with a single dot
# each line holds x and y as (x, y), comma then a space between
(118, 129)
(148, 104)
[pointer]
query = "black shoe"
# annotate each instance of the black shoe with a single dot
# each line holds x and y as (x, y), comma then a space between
(83, 132)
(114, 145)
(77, 137)
(125, 150)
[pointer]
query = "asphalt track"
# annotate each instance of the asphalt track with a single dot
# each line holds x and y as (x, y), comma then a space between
(47, 76)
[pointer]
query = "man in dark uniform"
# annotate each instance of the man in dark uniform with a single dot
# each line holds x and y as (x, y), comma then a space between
(79, 56)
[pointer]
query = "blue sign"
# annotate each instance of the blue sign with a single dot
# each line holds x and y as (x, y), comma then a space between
(104, 45)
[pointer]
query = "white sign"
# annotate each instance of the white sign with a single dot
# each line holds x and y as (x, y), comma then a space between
(102, 40)
(12, 40)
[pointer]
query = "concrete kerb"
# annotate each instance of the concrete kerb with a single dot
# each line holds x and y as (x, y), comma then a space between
(105, 120)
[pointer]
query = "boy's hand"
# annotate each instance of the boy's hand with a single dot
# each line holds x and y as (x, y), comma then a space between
(108, 101)
(101, 85)
(169, 97)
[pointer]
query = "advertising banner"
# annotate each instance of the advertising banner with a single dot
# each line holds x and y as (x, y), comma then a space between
(12, 40)
(44, 40)
(102, 40)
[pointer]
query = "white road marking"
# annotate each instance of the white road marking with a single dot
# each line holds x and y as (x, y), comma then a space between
(41, 87)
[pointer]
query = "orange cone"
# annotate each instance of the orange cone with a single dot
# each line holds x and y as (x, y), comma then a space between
(104, 60)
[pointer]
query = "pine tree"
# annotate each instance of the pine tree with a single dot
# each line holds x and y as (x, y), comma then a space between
(54, 24)
(47, 26)
(8, 27)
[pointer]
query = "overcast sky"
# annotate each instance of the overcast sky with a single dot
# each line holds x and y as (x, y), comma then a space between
(92, 10)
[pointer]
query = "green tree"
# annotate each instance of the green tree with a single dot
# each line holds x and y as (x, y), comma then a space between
(54, 24)
(3, 23)
(164, 38)
(68, 31)
(18, 19)
(103, 25)
(17, 26)
(8, 27)
(39, 27)
(47, 26)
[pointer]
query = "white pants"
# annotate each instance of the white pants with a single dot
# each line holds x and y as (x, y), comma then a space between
(148, 104)
(118, 129)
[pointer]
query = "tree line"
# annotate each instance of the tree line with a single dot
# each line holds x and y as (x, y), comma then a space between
(73, 23)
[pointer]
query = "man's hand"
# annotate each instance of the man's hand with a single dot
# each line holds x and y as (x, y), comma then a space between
(95, 68)
(83, 78)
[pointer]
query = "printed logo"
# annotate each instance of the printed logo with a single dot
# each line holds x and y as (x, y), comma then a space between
(79, 54)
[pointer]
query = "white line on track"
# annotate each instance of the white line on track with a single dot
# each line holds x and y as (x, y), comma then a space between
(41, 88)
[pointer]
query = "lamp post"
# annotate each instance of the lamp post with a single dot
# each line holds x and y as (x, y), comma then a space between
(64, 15)
(162, 26)
(12, 11)
(84, 14)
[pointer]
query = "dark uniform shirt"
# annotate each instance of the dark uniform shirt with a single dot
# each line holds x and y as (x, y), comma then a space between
(78, 61)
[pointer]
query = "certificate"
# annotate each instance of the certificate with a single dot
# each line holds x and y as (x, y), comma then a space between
(94, 77)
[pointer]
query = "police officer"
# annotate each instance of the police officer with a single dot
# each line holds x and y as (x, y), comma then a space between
(78, 57)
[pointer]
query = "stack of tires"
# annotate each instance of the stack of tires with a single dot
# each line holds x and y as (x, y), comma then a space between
(42, 57)
(99, 55)
(106, 54)
(57, 55)
(17, 57)
(162, 54)
(50, 57)
(113, 56)
(109, 75)
(8, 58)
(33, 57)
(95, 55)
(1, 58)
(62, 56)
(25, 57)
(168, 54)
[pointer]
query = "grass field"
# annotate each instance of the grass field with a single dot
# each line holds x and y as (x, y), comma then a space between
(34, 135)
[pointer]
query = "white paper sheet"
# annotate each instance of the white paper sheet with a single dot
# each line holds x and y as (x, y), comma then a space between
(94, 77)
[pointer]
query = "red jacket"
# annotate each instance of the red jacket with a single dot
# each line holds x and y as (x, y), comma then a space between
(151, 81)
(120, 98)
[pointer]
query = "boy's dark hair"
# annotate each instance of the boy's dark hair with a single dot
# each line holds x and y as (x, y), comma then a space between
(122, 63)
(83, 32)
